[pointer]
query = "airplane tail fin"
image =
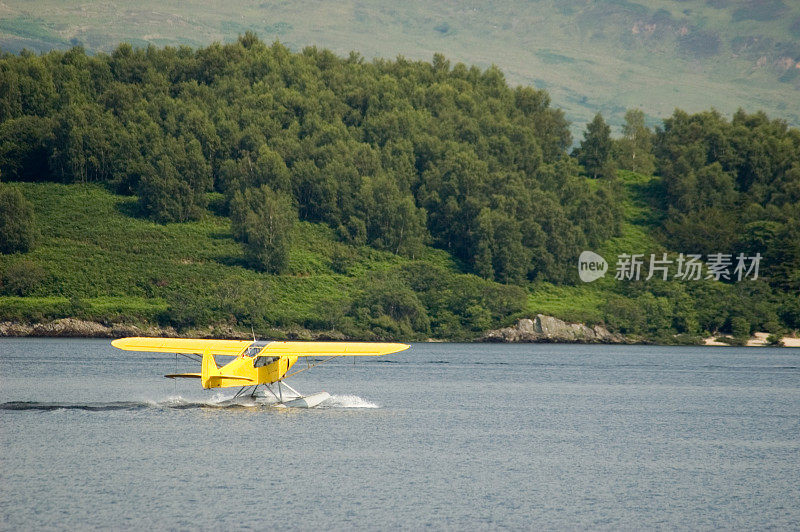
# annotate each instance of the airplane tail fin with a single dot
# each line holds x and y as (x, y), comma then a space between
(209, 371)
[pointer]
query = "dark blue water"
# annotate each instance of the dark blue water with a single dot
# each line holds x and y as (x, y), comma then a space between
(440, 436)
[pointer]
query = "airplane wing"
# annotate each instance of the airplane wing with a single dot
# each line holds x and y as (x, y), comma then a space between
(270, 349)
(183, 345)
(321, 349)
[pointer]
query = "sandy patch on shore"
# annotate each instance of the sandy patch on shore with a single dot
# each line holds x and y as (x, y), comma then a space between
(758, 339)
(712, 340)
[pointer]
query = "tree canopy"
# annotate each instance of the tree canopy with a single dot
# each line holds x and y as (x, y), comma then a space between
(733, 186)
(398, 156)
(394, 154)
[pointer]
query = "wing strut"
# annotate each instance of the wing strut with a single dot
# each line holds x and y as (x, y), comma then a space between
(310, 366)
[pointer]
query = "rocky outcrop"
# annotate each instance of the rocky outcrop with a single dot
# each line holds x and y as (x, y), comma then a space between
(540, 329)
(549, 329)
(74, 328)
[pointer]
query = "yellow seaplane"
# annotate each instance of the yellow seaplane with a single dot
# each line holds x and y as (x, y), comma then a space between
(256, 363)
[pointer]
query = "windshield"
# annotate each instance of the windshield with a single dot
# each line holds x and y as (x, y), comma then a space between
(254, 349)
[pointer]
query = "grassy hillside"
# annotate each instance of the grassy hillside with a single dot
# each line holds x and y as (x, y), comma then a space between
(590, 56)
(586, 302)
(95, 260)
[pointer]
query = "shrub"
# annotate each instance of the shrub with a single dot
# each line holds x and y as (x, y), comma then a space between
(624, 315)
(17, 222)
(21, 278)
(775, 340)
(391, 307)
(740, 327)
(736, 342)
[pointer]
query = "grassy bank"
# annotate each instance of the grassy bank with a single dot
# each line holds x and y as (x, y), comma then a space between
(96, 260)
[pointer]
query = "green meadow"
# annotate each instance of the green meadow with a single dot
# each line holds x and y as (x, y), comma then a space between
(95, 259)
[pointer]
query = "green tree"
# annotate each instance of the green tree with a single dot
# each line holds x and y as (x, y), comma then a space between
(740, 327)
(17, 221)
(263, 219)
(595, 149)
(783, 257)
(268, 168)
(25, 144)
(501, 255)
(392, 221)
(634, 151)
(86, 144)
(163, 196)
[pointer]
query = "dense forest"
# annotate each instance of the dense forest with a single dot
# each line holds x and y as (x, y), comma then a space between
(402, 157)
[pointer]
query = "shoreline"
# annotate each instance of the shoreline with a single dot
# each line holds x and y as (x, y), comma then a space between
(758, 339)
(540, 329)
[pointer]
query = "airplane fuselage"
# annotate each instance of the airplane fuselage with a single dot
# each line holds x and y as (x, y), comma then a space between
(245, 371)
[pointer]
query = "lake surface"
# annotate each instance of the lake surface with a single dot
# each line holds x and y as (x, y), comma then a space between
(441, 436)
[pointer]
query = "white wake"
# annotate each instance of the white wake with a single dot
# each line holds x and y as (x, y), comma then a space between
(348, 401)
(223, 400)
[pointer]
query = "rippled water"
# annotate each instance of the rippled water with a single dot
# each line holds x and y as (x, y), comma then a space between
(442, 435)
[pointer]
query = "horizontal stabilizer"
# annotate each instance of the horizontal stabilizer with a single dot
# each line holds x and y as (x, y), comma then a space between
(217, 380)
(199, 376)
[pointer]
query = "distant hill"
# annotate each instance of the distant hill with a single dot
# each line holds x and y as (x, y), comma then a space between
(591, 56)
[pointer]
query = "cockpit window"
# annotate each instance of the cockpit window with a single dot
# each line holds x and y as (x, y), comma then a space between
(263, 361)
(254, 349)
